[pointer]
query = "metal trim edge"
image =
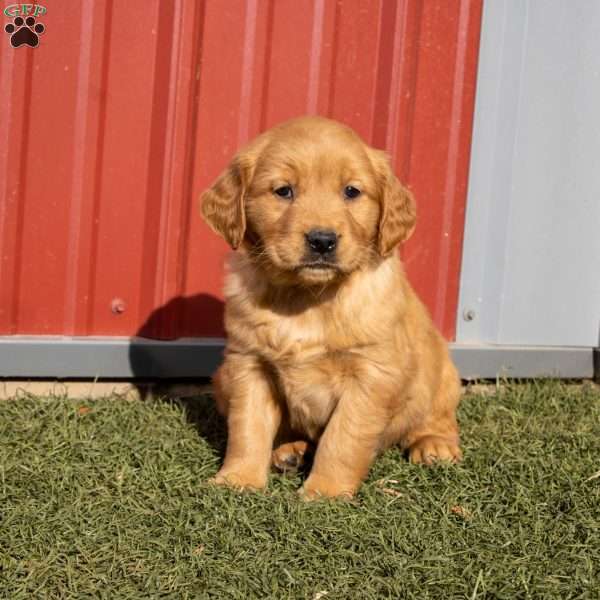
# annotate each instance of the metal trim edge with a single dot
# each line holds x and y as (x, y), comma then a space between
(123, 357)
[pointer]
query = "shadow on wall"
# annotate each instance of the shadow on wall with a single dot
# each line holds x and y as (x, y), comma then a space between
(200, 315)
(195, 355)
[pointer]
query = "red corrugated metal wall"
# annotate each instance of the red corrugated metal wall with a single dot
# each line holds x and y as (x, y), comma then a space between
(111, 127)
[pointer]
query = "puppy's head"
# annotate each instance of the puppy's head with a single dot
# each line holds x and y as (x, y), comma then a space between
(311, 202)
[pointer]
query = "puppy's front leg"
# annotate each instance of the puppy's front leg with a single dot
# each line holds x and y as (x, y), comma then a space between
(253, 417)
(348, 446)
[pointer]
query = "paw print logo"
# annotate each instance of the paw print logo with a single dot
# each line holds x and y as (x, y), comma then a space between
(24, 31)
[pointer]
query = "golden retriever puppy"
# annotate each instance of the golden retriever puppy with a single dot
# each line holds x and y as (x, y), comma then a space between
(328, 345)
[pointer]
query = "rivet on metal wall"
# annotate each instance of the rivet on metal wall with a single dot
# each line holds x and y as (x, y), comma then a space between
(117, 306)
(468, 314)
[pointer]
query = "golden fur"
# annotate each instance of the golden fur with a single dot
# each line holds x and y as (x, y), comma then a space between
(335, 351)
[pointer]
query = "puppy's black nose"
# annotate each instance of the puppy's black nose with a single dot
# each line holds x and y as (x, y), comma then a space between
(322, 241)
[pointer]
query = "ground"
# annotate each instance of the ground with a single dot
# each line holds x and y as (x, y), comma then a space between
(108, 498)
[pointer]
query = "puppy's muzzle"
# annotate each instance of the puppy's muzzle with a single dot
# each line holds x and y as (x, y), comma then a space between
(321, 243)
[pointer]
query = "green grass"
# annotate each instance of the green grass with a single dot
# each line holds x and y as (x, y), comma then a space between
(107, 499)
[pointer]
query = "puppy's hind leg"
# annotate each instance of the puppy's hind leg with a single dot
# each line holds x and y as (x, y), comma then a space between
(436, 437)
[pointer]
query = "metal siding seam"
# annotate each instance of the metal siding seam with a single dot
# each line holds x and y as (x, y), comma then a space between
(382, 85)
(316, 45)
(191, 145)
(248, 57)
(6, 116)
(99, 164)
(74, 256)
(408, 30)
(335, 42)
(22, 178)
(159, 162)
(266, 72)
(162, 288)
(450, 201)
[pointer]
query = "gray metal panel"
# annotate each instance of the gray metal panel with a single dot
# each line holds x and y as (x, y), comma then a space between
(109, 357)
(531, 257)
(490, 362)
(114, 358)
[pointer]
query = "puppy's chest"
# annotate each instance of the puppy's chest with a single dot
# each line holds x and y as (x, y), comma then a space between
(301, 338)
(311, 390)
(313, 356)
(312, 362)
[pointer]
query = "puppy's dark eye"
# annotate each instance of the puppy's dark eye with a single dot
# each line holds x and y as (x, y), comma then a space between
(285, 191)
(350, 192)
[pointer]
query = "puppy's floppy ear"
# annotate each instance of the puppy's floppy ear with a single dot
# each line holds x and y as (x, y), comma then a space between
(398, 209)
(222, 204)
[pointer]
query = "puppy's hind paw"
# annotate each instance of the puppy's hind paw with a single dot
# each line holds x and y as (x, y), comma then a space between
(291, 456)
(432, 448)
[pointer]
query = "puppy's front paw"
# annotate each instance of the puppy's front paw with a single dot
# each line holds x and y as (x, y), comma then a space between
(241, 480)
(321, 487)
(433, 448)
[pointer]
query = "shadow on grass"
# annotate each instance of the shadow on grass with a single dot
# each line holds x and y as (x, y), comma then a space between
(201, 413)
